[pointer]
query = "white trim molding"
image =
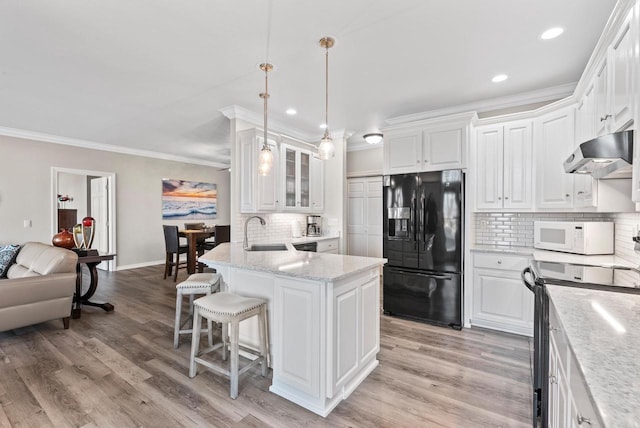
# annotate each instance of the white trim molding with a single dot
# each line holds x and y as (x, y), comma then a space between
(541, 95)
(86, 144)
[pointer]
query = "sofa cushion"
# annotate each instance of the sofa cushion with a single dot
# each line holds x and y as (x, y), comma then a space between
(8, 255)
(36, 258)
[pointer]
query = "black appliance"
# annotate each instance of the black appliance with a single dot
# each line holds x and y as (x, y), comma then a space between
(422, 241)
(306, 246)
(621, 279)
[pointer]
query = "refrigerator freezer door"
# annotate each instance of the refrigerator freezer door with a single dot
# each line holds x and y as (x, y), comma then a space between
(427, 296)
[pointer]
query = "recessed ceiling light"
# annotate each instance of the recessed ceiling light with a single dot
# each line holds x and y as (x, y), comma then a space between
(552, 33)
(291, 111)
(323, 126)
(499, 78)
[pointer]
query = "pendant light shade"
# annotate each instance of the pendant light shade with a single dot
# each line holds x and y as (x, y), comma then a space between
(265, 161)
(326, 149)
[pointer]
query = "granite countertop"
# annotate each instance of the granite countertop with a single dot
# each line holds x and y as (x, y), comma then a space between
(607, 352)
(305, 239)
(290, 262)
(504, 249)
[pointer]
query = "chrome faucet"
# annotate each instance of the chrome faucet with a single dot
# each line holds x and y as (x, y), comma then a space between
(245, 243)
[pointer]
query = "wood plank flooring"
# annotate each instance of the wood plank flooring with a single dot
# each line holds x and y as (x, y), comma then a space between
(119, 369)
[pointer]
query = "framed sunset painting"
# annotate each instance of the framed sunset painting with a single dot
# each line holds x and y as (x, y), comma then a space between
(188, 200)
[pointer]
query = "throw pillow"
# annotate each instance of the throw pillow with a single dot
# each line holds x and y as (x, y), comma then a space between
(8, 255)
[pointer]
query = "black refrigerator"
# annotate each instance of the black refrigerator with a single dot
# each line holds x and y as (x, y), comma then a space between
(422, 241)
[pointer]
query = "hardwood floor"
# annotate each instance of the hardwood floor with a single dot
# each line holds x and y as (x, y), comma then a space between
(120, 369)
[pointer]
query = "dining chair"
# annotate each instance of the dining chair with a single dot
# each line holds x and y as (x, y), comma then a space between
(172, 246)
(222, 233)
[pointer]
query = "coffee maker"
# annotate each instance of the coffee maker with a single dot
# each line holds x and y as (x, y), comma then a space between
(313, 225)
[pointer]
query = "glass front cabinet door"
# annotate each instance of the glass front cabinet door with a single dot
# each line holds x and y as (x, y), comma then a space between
(297, 175)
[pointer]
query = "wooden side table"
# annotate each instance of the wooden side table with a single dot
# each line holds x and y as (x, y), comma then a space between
(91, 259)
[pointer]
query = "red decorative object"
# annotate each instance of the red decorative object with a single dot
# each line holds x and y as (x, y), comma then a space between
(88, 221)
(63, 239)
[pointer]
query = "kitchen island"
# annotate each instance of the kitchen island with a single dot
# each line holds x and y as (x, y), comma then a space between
(324, 317)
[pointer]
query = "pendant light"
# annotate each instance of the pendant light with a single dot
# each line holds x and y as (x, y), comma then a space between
(326, 149)
(266, 156)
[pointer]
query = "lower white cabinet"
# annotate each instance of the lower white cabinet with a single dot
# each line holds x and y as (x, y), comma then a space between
(329, 246)
(570, 404)
(500, 299)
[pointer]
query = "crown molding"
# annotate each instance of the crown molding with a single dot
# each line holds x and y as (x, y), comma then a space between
(257, 119)
(85, 144)
(441, 119)
(529, 114)
(524, 98)
(360, 146)
(620, 13)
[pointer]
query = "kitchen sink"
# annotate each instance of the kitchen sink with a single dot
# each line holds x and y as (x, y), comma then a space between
(267, 247)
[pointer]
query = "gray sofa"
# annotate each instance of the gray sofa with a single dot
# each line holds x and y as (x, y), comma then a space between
(39, 286)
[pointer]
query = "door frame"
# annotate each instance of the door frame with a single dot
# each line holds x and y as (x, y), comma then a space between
(111, 182)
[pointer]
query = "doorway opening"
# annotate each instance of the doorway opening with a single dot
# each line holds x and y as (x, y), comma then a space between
(80, 193)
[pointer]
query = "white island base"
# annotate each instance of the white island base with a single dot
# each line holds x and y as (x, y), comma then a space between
(324, 318)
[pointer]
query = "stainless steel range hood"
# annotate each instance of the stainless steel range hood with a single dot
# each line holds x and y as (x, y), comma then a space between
(609, 156)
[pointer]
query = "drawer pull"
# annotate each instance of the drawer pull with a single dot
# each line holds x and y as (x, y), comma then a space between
(583, 419)
(499, 262)
(552, 379)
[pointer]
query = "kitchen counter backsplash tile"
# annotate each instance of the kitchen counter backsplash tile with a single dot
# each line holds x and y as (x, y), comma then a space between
(516, 229)
(278, 226)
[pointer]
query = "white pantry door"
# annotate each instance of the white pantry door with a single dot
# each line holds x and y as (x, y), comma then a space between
(364, 218)
(100, 212)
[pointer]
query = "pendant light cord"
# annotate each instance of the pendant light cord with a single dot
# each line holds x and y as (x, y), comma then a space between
(326, 92)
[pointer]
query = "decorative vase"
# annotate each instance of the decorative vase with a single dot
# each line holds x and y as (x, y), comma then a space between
(63, 239)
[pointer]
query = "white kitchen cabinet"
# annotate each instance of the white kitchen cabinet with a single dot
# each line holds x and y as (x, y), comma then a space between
(504, 167)
(402, 152)
(443, 147)
(364, 216)
(622, 62)
(584, 186)
(570, 404)
(500, 300)
(316, 189)
(331, 246)
(428, 147)
(257, 193)
(554, 141)
(296, 178)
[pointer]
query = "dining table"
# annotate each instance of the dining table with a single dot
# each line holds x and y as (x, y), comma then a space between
(193, 235)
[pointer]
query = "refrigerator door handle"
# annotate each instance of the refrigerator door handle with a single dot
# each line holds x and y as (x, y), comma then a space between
(415, 221)
(424, 224)
(426, 275)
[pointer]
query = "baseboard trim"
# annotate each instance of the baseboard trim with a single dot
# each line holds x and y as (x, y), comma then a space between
(139, 265)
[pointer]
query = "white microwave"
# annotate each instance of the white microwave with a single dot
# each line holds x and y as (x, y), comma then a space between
(578, 237)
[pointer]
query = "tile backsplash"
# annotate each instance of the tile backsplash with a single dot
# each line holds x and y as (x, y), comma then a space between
(516, 229)
(276, 229)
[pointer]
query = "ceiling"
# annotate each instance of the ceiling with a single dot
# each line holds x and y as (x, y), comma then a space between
(152, 76)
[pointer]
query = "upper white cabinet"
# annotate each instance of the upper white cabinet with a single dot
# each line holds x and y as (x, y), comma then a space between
(316, 189)
(427, 147)
(302, 179)
(296, 181)
(554, 141)
(257, 193)
(584, 186)
(504, 161)
(621, 61)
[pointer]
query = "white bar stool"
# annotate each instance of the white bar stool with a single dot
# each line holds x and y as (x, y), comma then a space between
(228, 308)
(198, 283)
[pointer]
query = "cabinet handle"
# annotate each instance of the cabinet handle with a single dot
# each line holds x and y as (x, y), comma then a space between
(552, 379)
(426, 161)
(499, 262)
(506, 197)
(553, 329)
(581, 193)
(499, 198)
(605, 117)
(583, 419)
(567, 195)
(417, 160)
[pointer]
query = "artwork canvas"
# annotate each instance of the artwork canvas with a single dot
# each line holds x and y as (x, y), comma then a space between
(188, 200)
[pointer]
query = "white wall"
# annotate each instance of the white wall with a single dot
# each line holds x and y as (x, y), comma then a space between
(361, 163)
(74, 186)
(25, 193)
